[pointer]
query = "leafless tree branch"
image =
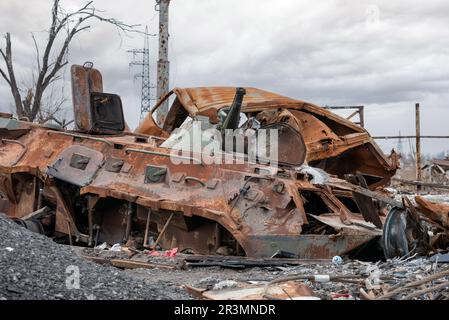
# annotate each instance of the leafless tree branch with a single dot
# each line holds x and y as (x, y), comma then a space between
(71, 22)
(36, 47)
(7, 57)
(5, 76)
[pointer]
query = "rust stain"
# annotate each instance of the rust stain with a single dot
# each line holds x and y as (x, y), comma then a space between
(107, 186)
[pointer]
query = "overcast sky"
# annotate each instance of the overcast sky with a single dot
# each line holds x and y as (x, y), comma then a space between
(386, 55)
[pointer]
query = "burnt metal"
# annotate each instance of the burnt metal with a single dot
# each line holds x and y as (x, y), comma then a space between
(403, 233)
(155, 174)
(21, 154)
(288, 136)
(103, 188)
(85, 80)
(106, 113)
(235, 262)
(365, 203)
(78, 161)
(394, 237)
(333, 143)
(114, 165)
(233, 117)
(76, 165)
(147, 227)
(31, 224)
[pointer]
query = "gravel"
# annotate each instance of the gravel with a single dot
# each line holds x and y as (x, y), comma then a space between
(32, 266)
(392, 272)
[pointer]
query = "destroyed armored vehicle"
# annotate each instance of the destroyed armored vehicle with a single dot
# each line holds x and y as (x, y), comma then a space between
(101, 183)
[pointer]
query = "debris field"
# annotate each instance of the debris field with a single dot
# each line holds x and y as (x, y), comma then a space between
(163, 277)
(32, 266)
(148, 215)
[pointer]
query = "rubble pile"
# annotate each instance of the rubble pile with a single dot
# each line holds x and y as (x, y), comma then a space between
(238, 278)
(278, 225)
(101, 183)
(369, 281)
(32, 266)
(394, 279)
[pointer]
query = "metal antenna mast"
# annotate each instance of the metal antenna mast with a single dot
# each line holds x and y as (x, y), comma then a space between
(163, 64)
(146, 97)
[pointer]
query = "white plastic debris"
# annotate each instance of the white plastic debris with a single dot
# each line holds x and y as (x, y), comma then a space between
(318, 176)
(116, 247)
(337, 260)
(9, 249)
(391, 190)
(373, 280)
(102, 246)
(322, 278)
(151, 242)
(305, 298)
(225, 284)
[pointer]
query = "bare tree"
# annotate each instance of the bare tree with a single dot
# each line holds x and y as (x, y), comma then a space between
(64, 26)
(52, 107)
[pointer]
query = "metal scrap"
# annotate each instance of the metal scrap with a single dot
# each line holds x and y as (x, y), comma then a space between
(101, 181)
(289, 290)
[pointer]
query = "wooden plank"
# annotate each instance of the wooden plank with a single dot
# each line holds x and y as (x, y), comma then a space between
(96, 259)
(419, 183)
(132, 264)
(195, 292)
(367, 192)
(245, 261)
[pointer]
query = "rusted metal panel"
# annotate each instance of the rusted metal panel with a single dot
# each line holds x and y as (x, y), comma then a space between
(4, 204)
(98, 186)
(333, 143)
(85, 80)
(76, 165)
(262, 221)
(306, 246)
(443, 163)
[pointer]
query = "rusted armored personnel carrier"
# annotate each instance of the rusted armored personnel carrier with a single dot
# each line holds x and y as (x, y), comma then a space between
(101, 183)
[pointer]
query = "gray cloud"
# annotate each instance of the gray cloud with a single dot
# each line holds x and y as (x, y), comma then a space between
(384, 54)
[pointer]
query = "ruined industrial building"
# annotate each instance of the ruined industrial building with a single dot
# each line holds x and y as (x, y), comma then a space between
(146, 200)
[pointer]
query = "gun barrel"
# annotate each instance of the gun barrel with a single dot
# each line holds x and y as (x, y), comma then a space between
(233, 118)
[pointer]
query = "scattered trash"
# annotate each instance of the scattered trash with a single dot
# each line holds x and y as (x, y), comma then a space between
(102, 246)
(168, 253)
(284, 254)
(337, 260)
(341, 296)
(290, 290)
(116, 247)
(438, 212)
(440, 258)
(317, 175)
(225, 284)
(373, 281)
(303, 200)
(151, 242)
(235, 262)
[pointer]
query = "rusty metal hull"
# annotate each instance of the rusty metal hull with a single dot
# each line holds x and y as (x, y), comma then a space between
(93, 202)
(102, 184)
(307, 246)
(333, 143)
